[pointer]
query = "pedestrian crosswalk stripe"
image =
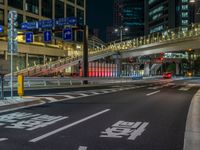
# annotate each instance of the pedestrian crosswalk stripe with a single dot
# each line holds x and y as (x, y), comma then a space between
(69, 96)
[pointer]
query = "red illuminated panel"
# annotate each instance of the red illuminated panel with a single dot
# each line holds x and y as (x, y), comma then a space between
(97, 69)
(90, 69)
(100, 70)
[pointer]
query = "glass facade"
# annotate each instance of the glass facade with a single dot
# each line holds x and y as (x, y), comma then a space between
(70, 11)
(31, 19)
(1, 17)
(72, 1)
(133, 18)
(19, 20)
(32, 6)
(16, 4)
(80, 16)
(80, 3)
(47, 8)
(59, 9)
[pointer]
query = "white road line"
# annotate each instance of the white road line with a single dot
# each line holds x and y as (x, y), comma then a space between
(155, 87)
(83, 94)
(153, 93)
(67, 126)
(69, 96)
(50, 99)
(95, 93)
(3, 139)
(184, 89)
(82, 148)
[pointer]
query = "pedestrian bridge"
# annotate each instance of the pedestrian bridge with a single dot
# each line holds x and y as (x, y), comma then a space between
(177, 39)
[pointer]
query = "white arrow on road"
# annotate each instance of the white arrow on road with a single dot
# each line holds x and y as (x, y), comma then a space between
(3, 139)
(82, 148)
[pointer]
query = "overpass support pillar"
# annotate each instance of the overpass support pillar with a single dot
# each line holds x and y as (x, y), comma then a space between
(26, 63)
(5, 55)
(44, 59)
(146, 69)
(118, 63)
(177, 69)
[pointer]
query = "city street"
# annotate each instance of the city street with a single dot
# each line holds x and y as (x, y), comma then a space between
(140, 116)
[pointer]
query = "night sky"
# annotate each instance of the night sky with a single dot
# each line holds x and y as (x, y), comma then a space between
(100, 15)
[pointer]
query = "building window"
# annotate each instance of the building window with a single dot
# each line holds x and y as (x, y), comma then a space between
(184, 14)
(72, 1)
(32, 6)
(16, 4)
(19, 20)
(1, 1)
(70, 11)
(31, 19)
(47, 8)
(80, 3)
(80, 16)
(1, 17)
(59, 9)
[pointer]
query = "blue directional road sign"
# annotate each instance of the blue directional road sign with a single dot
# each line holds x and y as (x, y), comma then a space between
(29, 37)
(67, 34)
(47, 36)
(1, 28)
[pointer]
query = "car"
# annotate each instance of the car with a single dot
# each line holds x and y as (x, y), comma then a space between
(137, 77)
(167, 75)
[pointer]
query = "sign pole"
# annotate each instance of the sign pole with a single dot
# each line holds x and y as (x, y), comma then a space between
(2, 86)
(11, 77)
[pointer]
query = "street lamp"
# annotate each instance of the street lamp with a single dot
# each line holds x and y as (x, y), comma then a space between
(121, 29)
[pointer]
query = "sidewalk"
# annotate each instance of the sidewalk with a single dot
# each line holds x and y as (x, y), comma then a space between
(18, 103)
(192, 130)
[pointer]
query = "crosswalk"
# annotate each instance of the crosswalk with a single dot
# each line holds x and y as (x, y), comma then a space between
(50, 98)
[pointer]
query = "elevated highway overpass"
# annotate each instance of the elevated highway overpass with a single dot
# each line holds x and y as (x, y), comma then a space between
(179, 39)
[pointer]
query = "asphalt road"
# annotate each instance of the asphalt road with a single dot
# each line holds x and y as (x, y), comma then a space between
(147, 116)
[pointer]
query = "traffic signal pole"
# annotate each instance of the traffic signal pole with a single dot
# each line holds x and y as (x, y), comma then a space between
(85, 52)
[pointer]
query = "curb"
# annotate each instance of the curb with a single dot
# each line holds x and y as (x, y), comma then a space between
(21, 105)
(192, 130)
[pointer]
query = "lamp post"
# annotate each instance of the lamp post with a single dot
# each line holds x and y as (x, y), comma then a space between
(121, 29)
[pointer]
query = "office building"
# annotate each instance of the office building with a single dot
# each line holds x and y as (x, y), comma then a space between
(39, 52)
(133, 18)
(161, 15)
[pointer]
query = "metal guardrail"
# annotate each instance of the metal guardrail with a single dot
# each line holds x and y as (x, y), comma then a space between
(35, 82)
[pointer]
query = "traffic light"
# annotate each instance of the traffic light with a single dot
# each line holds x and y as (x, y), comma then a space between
(12, 31)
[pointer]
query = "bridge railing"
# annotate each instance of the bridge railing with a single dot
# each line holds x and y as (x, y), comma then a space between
(171, 35)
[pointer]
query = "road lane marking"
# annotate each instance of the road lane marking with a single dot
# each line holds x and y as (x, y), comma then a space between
(83, 94)
(68, 126)
(152, 93)
(155, 87)
(69, 96)
(95, 93)
(82, 148)
(3, 139)
(52, 99)
(184, 89)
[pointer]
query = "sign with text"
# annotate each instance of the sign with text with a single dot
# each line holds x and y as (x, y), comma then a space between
(47, 36)
(46, 24)
(67, 34)
(29, 37)
(1, 28)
